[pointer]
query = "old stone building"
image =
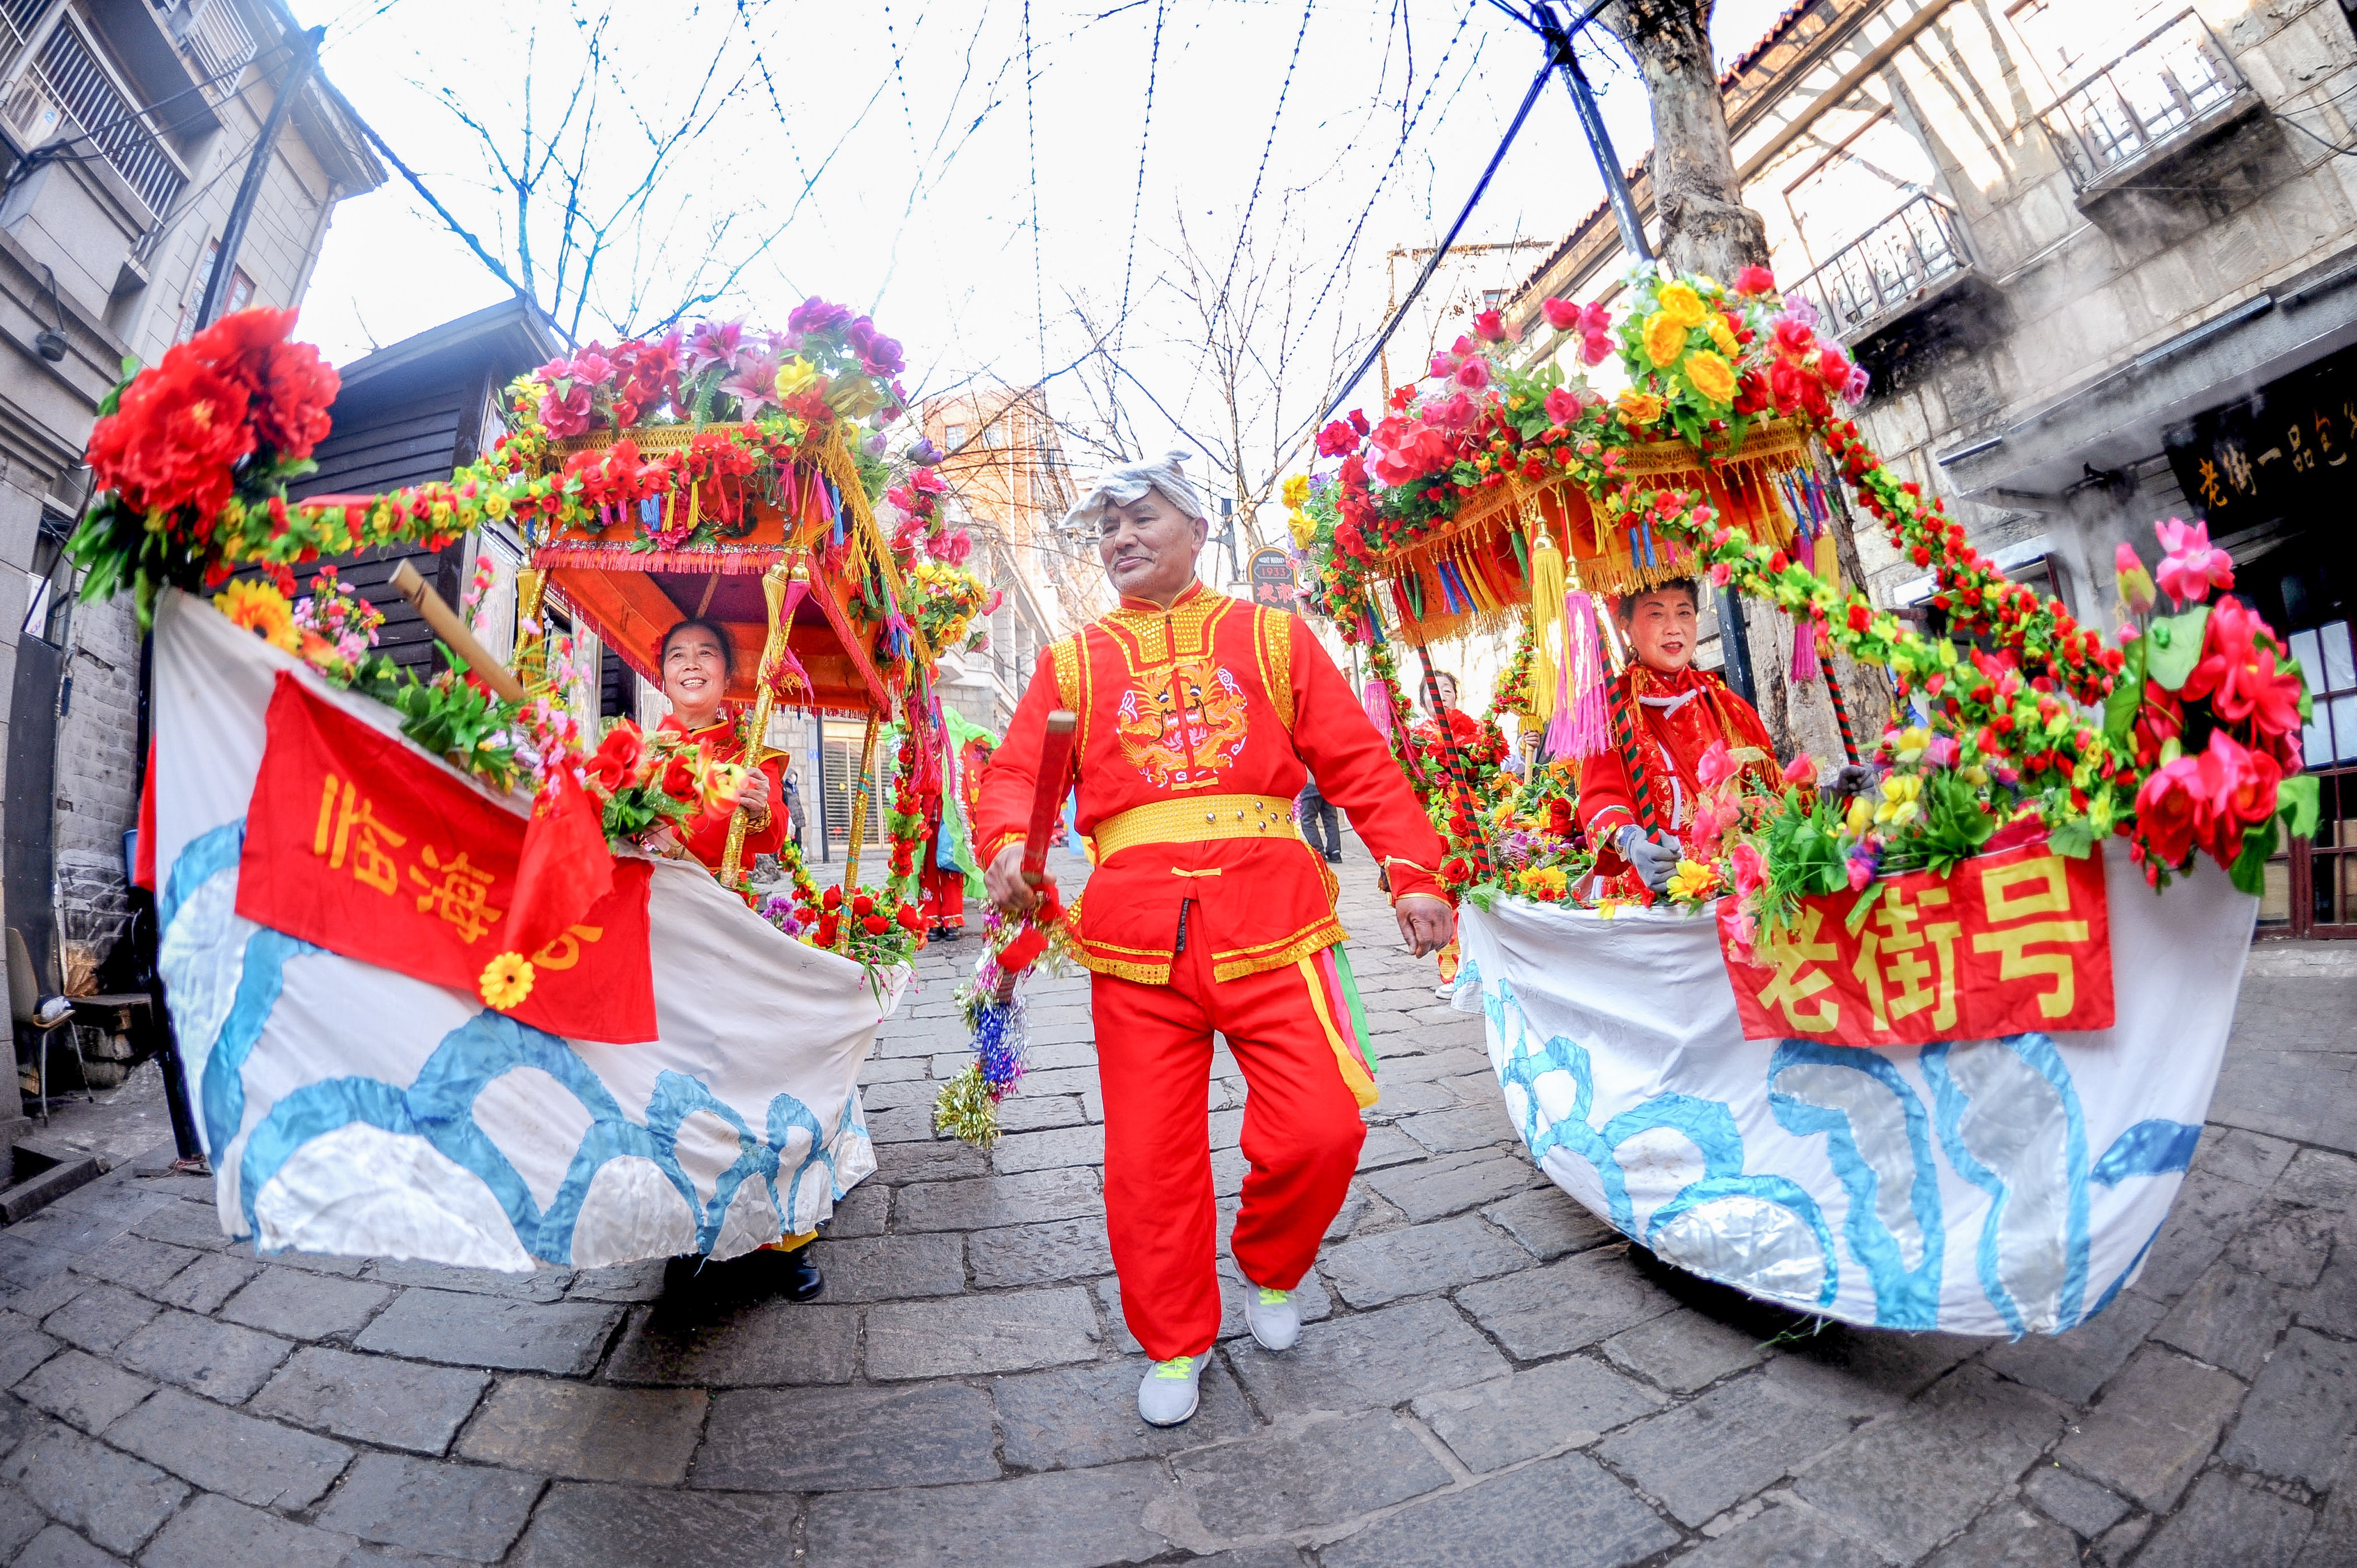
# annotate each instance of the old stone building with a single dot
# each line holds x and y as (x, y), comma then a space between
(128, 126)
(2102, 262)
(1010, 484)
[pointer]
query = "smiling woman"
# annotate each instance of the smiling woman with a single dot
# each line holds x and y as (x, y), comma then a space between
(698, 664)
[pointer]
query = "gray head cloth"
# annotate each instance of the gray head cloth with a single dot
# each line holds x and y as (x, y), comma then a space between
(1119, 486)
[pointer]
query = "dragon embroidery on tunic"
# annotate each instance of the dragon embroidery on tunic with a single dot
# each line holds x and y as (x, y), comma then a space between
(1181, 733)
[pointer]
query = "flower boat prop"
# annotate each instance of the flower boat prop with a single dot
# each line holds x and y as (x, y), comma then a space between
(1927, 1046)
(433, 1002)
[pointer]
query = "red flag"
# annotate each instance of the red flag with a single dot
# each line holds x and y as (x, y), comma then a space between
(356, 841)
(565, 866)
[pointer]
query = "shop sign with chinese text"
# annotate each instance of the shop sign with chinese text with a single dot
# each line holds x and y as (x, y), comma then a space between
(2007, 943)
(356, 844)
(2285, 447)
(1272, 581)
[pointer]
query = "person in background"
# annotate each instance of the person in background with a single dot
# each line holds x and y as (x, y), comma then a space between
(698, 664)
(794, 824)
(1320, 823)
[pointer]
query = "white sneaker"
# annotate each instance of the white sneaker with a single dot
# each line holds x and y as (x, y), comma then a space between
(1446, 991)
(1272, 1316)
(1168, 1394)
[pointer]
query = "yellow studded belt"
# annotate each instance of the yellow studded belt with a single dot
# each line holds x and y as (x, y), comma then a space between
(1198, 821)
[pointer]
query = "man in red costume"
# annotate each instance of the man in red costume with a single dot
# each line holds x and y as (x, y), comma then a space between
(1667, 714)
(1207, 911)
(697, 663)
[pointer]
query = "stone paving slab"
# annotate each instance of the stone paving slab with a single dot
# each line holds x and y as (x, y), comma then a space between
(1488, 1373)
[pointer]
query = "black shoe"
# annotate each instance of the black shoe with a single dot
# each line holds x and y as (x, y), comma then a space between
(797, 1277)
(1333, 857)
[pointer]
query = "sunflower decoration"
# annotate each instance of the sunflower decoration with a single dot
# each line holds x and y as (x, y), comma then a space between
(505, 982)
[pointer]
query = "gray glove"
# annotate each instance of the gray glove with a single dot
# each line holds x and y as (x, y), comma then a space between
(1655, 862)
(1850, 779)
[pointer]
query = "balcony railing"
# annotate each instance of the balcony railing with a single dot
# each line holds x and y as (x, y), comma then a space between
(1879, 273)
(219, 44)
(2165, 85)
(87, 93)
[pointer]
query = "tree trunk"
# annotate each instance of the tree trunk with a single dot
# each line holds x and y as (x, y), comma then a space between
(1706, 228)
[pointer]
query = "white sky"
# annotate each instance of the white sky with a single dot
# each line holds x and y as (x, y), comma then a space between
(922, 211)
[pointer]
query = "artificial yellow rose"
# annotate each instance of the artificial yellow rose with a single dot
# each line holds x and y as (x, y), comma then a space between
(1297, 491)
(1693, 881)
(1712, 376)
(1639, 408)
(1666, 338)
(1304, 528)
(495, 504)
(1724, 336)
(1860, 817)
(1900, 800)
(795, 377)
(1681, 304)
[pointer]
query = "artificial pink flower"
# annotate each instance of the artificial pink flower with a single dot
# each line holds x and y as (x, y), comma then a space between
(1750, 869)
(1473, 374)
(1861, 872)
(1755, 280)
(1801, 770)
(1595, 347)
(1561, 314)
(1716, 765)
(1489, 326)
(2193, 566)
(1444, 365)
(1561, 407)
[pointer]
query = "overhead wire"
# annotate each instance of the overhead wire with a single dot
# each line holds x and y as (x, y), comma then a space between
(1031, 150)
(1351, 245)
(1137, 202)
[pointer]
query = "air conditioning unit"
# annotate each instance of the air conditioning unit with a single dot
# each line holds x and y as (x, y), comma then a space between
(30, 114)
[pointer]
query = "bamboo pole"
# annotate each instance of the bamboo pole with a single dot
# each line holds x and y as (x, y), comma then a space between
(455, 634)
(773, 589)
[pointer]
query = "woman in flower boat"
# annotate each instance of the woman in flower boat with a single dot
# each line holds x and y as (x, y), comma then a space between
(696, 666)
(1666, 715)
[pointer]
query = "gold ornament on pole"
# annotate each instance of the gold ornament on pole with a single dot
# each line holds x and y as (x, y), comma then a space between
(756, 746)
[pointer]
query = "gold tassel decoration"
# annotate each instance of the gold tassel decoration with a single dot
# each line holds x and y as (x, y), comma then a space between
(1546, 614)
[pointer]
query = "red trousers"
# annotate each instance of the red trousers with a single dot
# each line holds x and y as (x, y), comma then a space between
(943, 900)
(1301, 1134)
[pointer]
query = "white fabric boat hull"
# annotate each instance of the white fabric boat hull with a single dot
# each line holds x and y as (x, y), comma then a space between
(349, 1109)
(1997, 1187)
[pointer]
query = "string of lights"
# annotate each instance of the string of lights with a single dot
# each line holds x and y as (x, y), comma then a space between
(1137, 202)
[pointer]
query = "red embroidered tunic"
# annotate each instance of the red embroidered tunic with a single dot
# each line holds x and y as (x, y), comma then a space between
(1214, 700)
(705, 836)
(1683, 714)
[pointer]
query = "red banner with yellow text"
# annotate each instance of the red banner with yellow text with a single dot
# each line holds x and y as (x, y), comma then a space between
(2006, 944)
(355, 842)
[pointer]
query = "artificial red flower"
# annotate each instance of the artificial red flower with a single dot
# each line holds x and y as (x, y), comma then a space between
(1489, 326)
(1755, 280)
(2170, 811)
(1794, 338)
(1561, 314)
(176, 436)
(616, 761)
(679, 781)
(876, 925)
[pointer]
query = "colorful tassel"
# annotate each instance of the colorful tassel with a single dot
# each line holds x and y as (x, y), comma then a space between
(1804, 648)
(1378, 700)
(1583, 720)
(1546, 606)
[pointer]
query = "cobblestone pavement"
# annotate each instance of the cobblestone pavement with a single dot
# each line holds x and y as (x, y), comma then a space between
(1490, 1377)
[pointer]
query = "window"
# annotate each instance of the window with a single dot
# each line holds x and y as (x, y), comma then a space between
(1859, 185)
(240, 292)
(953, 437)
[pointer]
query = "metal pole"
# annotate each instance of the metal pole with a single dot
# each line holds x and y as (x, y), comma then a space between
(290, 87)
(1733, 634)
